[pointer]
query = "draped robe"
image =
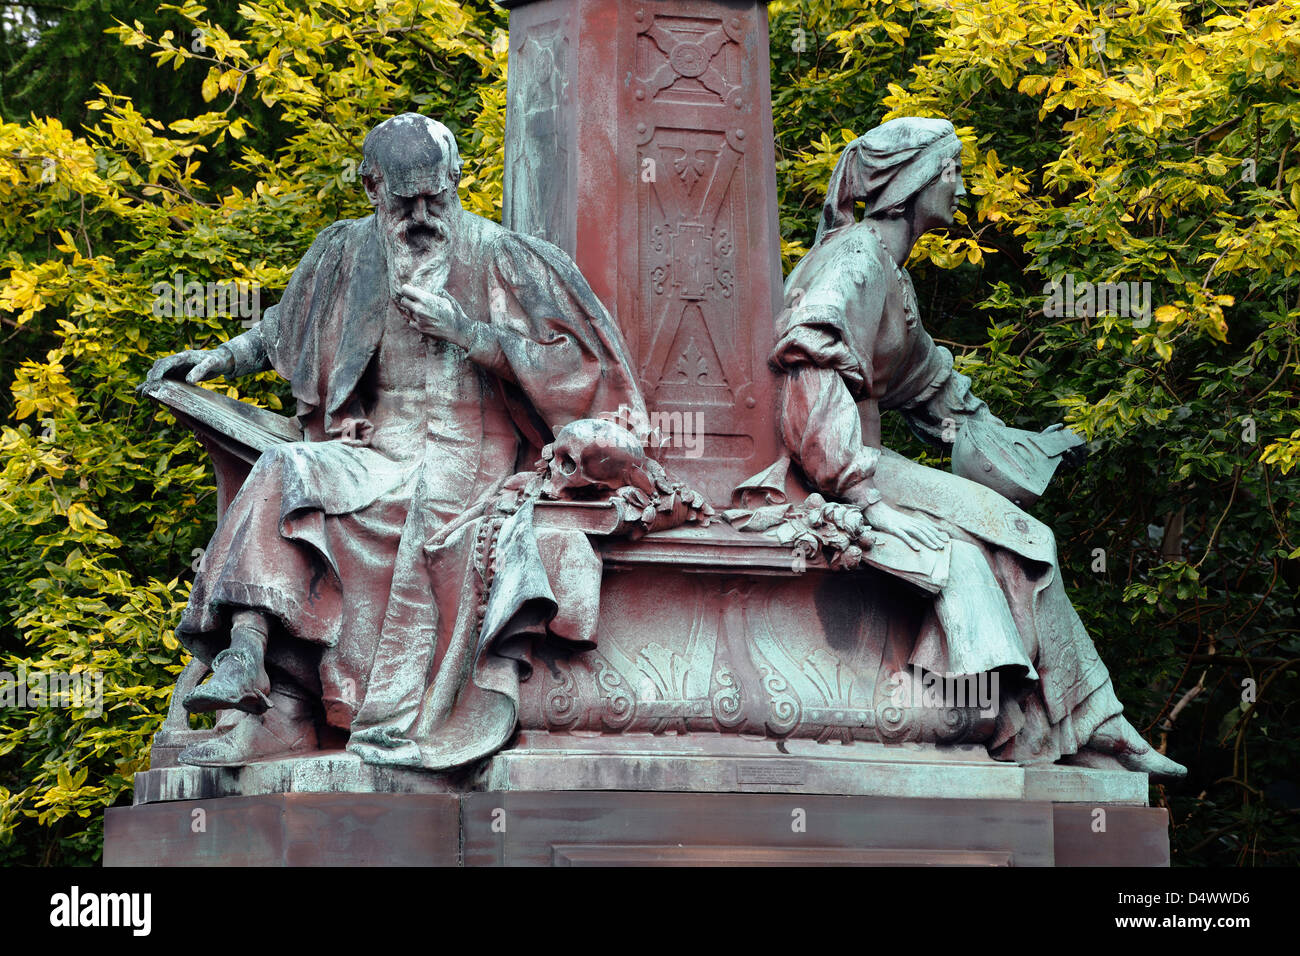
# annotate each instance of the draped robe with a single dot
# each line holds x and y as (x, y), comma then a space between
(401, 433)
(852, 346)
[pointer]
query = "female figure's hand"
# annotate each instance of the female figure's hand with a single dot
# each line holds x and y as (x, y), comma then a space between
(916, 532)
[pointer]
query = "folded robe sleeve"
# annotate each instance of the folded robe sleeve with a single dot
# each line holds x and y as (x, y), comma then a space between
(936, 412)
(247, 352)
(822, 429)
(824, 379)
(548, 333)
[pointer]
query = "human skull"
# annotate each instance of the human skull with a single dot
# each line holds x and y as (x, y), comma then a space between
(590, 456)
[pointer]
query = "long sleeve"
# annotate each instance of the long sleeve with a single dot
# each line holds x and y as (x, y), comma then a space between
(534, 322)
(248, 352)
(482, 341)
(823, 431)
(825, 377)
(944, 402)
(484, 348)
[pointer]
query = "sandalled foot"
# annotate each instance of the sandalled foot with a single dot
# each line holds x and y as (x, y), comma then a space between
(238, 680)
(1119, 739)
(277, 733)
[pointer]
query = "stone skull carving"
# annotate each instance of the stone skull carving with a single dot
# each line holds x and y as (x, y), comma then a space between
(591, 457)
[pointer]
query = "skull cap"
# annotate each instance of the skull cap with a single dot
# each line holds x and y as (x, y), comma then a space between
(412, 154)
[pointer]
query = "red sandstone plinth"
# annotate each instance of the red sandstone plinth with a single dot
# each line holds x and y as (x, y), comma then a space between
(639, 140)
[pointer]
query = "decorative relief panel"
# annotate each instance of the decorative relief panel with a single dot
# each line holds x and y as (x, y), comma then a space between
(649, 158)
(694, 344)
(726, 664)
(693, 341)
(687, 60)
(538, 189)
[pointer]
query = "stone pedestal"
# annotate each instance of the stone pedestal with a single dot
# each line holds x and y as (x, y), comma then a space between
(639, 140)
(643, 800)
(288, 829)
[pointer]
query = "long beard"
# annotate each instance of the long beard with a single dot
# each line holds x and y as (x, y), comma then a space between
(415, 253)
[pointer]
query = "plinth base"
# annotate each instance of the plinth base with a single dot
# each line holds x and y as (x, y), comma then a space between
(569, 801)
(584, 828)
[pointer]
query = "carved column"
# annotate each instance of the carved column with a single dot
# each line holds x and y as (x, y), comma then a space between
(639, 140)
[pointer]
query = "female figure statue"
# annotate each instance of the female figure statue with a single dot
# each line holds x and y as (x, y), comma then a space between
(852, 346)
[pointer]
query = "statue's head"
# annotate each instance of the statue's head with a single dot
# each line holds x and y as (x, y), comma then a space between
(905, 168)
(410, 168)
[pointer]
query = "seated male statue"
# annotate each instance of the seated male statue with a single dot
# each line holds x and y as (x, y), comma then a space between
(431, 353)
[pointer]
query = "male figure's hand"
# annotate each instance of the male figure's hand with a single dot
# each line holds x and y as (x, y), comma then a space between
(199, 365)
(434, 314)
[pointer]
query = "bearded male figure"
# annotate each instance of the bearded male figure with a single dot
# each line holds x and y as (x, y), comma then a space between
(431, 353)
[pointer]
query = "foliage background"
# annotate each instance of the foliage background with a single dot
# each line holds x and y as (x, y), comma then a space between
(1112, 141)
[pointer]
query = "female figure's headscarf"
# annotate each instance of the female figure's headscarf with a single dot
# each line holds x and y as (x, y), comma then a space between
(886, 166)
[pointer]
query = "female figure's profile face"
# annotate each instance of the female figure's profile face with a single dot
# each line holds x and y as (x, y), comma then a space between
(936, 204)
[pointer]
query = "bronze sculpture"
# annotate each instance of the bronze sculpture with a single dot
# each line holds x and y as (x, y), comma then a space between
(370, 580)
(315, 587)
(575, 621)
(852, 346)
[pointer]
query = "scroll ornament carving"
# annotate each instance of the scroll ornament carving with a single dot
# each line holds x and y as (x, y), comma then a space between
(726, 699)
(620, 704)
(784, 710)
(560, 709)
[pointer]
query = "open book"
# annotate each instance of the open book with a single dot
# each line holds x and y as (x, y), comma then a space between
(247, 431)
(250, 429)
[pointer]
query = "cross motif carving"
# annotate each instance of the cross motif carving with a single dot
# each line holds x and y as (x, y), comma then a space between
(690, 56)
